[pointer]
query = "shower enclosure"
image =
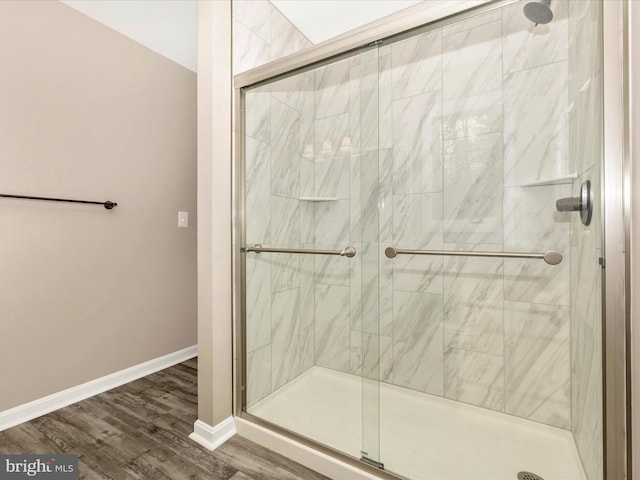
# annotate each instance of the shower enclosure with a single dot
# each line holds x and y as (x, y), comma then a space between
(413, 295)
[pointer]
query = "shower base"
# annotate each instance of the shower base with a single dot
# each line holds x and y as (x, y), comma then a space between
(422, 437)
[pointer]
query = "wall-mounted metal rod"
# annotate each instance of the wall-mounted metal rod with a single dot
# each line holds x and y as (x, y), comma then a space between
(345, 252)
(551, 257)
(108, 204)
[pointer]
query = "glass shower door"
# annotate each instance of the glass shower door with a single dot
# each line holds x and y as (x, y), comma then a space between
(490, 290)
(311, 254)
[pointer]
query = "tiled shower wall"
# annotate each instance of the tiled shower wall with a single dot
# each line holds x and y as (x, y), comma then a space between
(585, 145)
(464, 119)
(460, 138)
(279, 345)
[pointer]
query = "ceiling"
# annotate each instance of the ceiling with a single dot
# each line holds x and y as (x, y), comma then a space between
(321, 20)
(168, 27)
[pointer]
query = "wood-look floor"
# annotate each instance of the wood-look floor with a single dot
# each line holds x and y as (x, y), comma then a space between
(140, 431)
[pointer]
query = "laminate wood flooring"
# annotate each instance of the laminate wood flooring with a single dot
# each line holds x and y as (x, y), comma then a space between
(140, 431)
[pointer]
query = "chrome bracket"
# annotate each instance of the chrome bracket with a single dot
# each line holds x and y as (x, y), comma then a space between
(373, 463)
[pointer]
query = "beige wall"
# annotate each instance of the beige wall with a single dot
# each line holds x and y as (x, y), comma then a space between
(214, 211)
(87, 113)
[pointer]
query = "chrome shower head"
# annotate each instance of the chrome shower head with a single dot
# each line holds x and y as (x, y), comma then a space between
(539, 11)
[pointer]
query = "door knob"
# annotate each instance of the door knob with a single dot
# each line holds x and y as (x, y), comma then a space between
(582, 204)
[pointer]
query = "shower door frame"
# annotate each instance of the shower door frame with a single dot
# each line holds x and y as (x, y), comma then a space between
(615, 210)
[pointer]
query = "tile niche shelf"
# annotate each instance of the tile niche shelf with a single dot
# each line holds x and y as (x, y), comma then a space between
(318, 199)
(564, 179)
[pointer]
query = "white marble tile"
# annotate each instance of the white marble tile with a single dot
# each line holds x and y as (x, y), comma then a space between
(586, 340)
(285, 334)
(249, 49)
(258, 114)
(307, 222)
(417, 144)
(287, 90)
(532, 224)
(307, 178)
(473, 176)
(258, 300)
(417, 64)
(585, 37)
(418, 273)
(307, 348)
(475, 378)
(332, 224)
(369, 196)
(370, 77)
(527, 45)
(377, 357)
(307, 289)
(355, 198)
(370, 265)
(355, 288)
(332, 270)
(385, 285)
(332, 89)
(385, 102)
(472, 81)
(586, 121)
(305, 42)
(417, 221)
(332, 333)
(536, 124)
(473, 296)
(254, 14)
(531, 221)
(370, 356)
(285, 140)
(588, 428)
(418, 355)
(473, 22)
(307, 116)
(258, 192)
(285, 272)
(355, 118)
(285, 233)
(285, 37)
(285, 222)
(332, 154)
(258, 374)
(356, 353)
(385, 195)
(386, 359)
(537, 357)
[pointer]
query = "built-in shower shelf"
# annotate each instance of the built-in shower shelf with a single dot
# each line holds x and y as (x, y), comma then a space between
(552, 181)
(318, 199)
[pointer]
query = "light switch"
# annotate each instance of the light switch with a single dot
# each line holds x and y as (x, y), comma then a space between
(183, 219)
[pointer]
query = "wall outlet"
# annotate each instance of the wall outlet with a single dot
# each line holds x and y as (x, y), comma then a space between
(183, 219)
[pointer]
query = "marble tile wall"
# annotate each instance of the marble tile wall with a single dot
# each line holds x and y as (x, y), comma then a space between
(280, 289)
(262, 34)
(472, 113)
(432, 142)
(585, 145)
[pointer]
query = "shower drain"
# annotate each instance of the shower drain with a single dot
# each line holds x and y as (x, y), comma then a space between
(529, 476)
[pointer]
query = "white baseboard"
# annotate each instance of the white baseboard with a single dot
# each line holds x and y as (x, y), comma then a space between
(212, 437)
(42, 406)
(307, 456)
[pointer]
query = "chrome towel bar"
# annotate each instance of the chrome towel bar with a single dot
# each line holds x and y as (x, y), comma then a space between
(345, 252)
(551, 257)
